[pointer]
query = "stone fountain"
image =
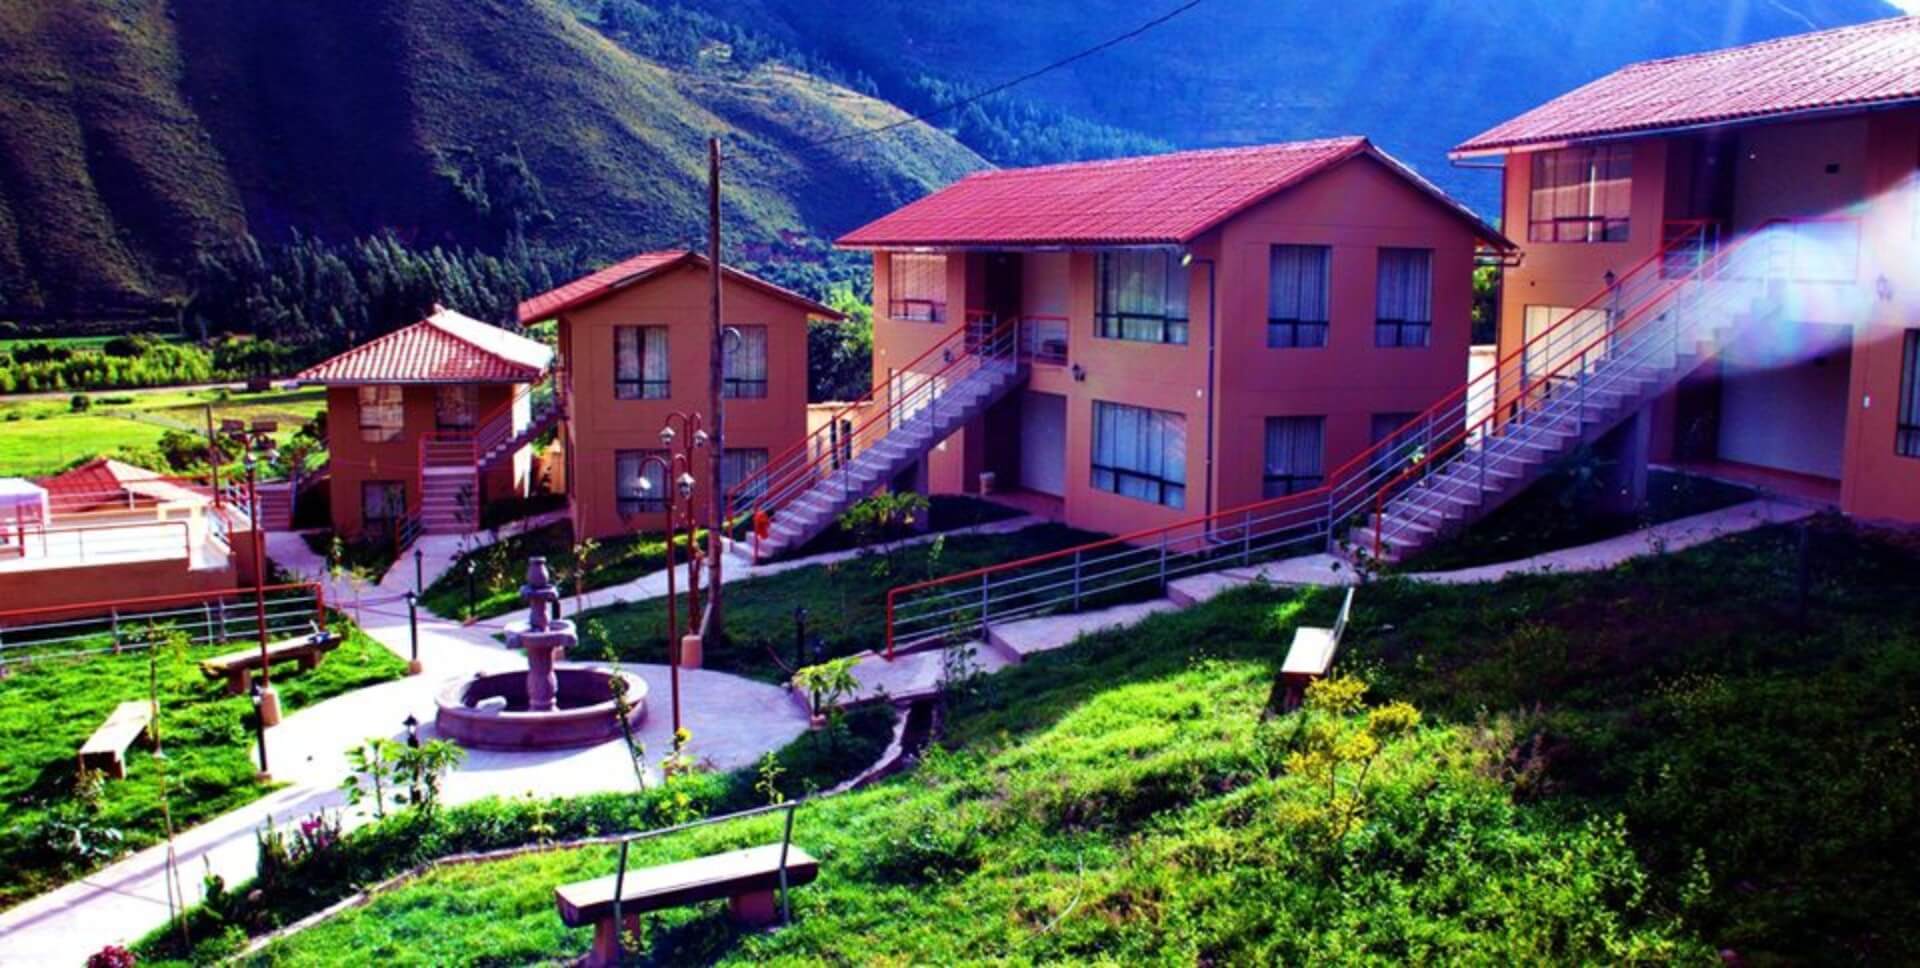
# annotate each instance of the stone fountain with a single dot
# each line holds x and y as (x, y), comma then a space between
(550, 706)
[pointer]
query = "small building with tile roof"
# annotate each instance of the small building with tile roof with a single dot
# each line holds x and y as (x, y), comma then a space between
(1197, 330)
(1808, 145)
(634, 341)
(428, 424)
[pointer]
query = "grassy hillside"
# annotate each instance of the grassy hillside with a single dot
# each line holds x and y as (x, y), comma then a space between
(1419, 76)
(133, 134)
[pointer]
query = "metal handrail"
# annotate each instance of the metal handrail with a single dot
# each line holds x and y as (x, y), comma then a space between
(1419, 448)
(40, 633)
(983, 341)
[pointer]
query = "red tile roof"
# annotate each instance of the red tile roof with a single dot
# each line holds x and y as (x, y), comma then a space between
(446, 347)
(1833, 70)
(648, 265)
(104, 481)
(1149, 200)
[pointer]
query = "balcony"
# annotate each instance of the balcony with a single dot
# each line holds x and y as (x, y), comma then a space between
(1043, 339)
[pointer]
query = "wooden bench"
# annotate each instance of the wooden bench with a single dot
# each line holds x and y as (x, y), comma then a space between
(1311, 655)
(106, 749)
(747, 878)
(238, 667)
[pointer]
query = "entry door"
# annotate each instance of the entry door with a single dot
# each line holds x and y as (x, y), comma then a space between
(1043, 443)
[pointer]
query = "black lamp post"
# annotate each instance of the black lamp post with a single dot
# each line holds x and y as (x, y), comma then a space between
(260, 729)
(418, 584)
(413, 742)
(413, 632)
(469, 590)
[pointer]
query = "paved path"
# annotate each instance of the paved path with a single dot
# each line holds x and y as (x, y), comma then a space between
(733, 721)
(917, 675)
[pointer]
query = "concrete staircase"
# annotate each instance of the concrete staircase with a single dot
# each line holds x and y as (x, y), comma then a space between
(1558, 417)
(449, 500)
(451, 466)
(833, 490)
(276, 506)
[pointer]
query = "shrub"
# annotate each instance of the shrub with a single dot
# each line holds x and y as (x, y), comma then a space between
(81, 403)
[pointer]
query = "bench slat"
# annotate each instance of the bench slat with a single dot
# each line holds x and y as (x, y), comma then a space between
(122, 727)
(276, 652)
(1311, 652)
(685, 882)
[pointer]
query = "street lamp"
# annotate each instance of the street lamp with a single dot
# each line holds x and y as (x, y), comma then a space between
(684, 482)
(269, 701)
(413, 632)
(260, 730)
(413, 742)
(469, 589)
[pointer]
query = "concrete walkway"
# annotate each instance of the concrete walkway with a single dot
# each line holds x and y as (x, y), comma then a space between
(917, 675)
(733, 721)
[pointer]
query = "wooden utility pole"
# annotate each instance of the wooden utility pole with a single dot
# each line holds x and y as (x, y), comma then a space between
(717, 497)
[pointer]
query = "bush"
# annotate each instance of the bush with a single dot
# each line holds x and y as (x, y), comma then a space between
(81, 403)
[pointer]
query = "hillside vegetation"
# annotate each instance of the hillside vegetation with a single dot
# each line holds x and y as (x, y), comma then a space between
(136, 134)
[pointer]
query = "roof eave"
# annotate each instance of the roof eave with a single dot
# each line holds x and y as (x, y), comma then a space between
(1472, 149)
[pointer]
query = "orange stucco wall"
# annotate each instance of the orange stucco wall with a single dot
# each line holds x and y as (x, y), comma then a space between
(1861, 167)
(353, 461)
(1355, 209)
(598, 425)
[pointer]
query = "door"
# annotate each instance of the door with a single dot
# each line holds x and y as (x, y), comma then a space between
(1783, 401)
(1043, 443)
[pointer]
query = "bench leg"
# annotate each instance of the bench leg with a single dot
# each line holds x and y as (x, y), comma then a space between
(310, 662)
(756, 910)
(239, 682)
(1296, 691)
(605, 952)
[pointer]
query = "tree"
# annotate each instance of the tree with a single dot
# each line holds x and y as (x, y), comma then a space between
(840, 354)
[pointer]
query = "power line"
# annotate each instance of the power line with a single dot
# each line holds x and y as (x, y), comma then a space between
(1003, 86)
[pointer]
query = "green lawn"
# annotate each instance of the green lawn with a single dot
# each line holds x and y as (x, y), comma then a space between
(1557, 512)
(1663, 763)
(48, 709)
(501, 568)
(41, 436)
(846, 603)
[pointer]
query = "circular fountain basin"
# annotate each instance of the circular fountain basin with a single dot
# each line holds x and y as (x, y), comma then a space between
(490, 712)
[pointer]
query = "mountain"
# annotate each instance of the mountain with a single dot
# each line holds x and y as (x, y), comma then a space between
(136, 133)
(1418, 76)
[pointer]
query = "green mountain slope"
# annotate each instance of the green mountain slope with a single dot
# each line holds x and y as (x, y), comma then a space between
(1417, 75)
(134, 133)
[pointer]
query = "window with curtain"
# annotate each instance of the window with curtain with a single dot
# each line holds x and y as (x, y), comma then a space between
(1142, 297)
(629, 466)
(1581, 195)
(1555, 338)
(1403, 298)
(1906, 433)
(1294, 446)
(1297, 286)
(739, 465)
(744, 376)
(640, 363)
(456, 407)
(383, 415)
(1406, 449)
(1140, 453)
(917, 287)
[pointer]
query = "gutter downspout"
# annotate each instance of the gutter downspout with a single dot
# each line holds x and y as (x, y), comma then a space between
(1212, 355)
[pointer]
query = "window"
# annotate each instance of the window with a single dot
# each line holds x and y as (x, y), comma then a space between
(745, 373)
(1581, 195)
(1143, 297)
(1297, 295)
(739, 465)
(1569, 334)
(917, 287)
(1906, 434)
(382, 506)
(1140, 453)
(1403, 298)
(629, 467)
(640, 363)
(1294, 446)
(382, 414)
(455, 407)
(1407, 449)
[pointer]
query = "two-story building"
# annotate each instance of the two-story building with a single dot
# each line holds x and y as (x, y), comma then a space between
(1194, 331)
(428, 423)
(1795, 162)
(635, 339)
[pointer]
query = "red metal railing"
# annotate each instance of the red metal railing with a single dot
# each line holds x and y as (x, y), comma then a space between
(113, 625)
(1467, 420)
(920, 385)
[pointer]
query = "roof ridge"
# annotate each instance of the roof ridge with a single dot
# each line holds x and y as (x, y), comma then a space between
(1175, 156)
(1905, 20)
